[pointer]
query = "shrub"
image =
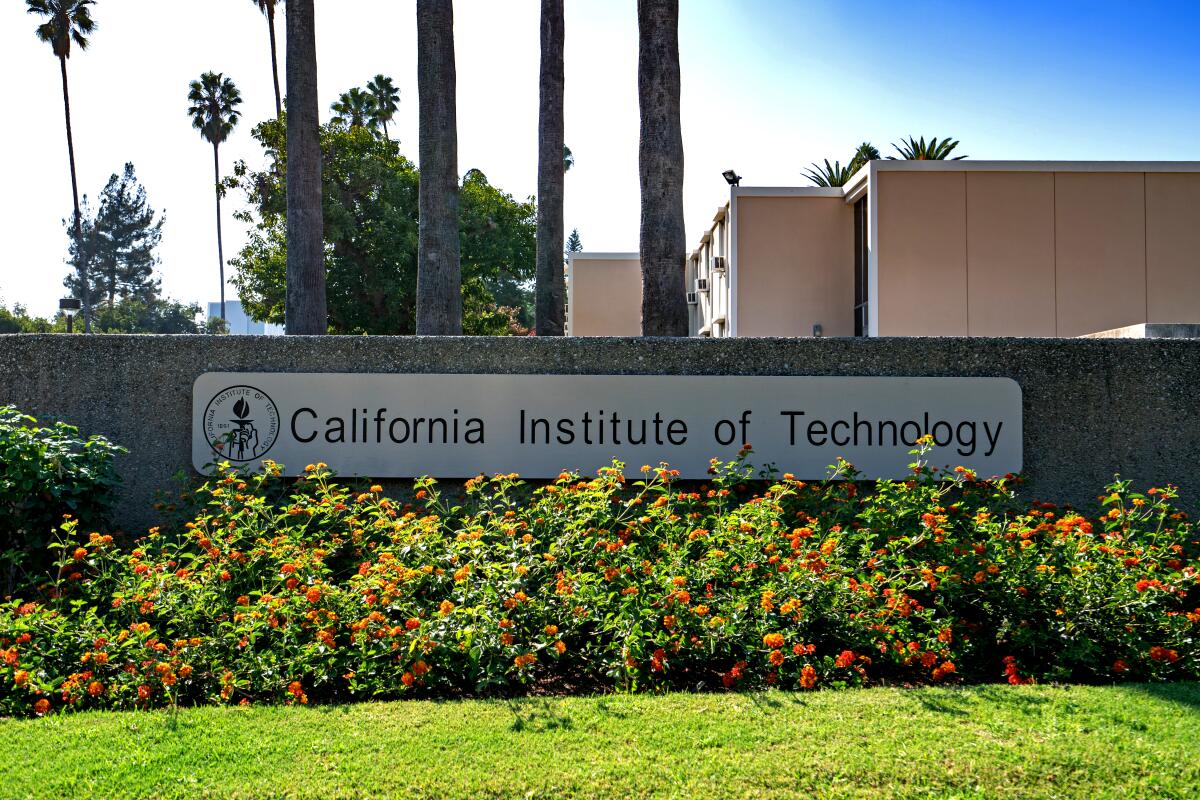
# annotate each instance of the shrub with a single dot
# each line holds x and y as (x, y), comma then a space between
(46, 473)
(322, 592)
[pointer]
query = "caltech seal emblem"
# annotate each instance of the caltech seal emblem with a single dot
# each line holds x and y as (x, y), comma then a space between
(241, 423)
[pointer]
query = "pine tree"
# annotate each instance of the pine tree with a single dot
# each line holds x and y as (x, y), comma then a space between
(120, 242)
(574, 245)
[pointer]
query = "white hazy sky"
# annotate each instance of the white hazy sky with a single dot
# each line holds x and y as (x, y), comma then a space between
(768, 86)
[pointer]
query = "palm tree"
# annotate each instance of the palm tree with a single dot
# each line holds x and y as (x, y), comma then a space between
(355, 108)
(214, 113)
(863, 153)
(68, 21)
(439, 270)
(660, 164)
(830, 175)
(267, 7)
(305, 310)
(568, 159)
(554, 159)
(912, 149)
(387, 100)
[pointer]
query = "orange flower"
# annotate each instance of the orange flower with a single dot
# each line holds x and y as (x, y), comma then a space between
(80, 553)
(777, 658)
(1163, 654)
(551, 630)
(20, 677)
(1120, 666)
(143, 692)
(446, 607)
(808, 677)
(407, 679)
(376, 488)
(41, 707)
(560, 646)
(420, 668)
(773, 640)
(313, 595)
(525, 660)
(844, 659)
(95, 688)
(412, 623)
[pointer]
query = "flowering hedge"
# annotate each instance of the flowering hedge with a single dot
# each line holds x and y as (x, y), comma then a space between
(318, 591)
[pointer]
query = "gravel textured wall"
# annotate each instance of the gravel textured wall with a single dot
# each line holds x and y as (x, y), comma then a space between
(1093, 407)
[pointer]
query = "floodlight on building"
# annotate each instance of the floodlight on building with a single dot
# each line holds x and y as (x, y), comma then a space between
(70, 306)
(731, 177)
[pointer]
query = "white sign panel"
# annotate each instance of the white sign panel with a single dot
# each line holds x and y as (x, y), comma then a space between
(457, 426)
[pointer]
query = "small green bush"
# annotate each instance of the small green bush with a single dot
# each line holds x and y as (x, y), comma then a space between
(280, 592)
(46, 473)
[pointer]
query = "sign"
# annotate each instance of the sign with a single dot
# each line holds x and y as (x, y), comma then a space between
(459, 426)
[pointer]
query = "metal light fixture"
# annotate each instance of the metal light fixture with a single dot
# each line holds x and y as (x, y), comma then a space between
(731, 177)
(70, 306)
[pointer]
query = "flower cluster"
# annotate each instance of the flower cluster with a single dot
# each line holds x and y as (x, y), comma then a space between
(276, 590)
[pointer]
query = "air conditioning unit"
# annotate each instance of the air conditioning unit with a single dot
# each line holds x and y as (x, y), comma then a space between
(718, 263)
(692, 298)
(701, 284)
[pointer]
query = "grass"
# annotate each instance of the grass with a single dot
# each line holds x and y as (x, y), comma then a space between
(983, 742)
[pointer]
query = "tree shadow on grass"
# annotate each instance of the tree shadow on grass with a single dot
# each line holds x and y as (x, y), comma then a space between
(962, 702)
(1187, 694)
(537, 715)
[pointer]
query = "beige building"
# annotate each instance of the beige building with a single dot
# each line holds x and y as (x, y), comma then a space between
(933, 248)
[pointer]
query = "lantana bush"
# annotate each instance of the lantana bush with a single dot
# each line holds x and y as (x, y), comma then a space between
(313, 590)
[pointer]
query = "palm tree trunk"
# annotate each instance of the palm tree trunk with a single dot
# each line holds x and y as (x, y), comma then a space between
(551, 174)
(305, 312)
(660, 153)
(274, 61)
(220, 247)
(385, 133)
(85, 257)
(439, 276)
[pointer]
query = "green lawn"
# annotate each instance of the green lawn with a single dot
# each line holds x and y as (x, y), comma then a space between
(1025, 742)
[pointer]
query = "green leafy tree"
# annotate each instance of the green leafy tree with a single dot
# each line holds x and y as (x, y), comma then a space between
(830, 174)
(124, 235)
(214, 113)
(148, 315)
(354, 109)
(267, 7)
(67, 22)
(912, 149)
(387, 101)
(371, 232)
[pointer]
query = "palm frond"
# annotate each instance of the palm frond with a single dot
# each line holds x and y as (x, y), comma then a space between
(913, 149)
(830, 175)
(214, 100)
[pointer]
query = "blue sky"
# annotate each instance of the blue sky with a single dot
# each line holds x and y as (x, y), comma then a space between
(768, 87)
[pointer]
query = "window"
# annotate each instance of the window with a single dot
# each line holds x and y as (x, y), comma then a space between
(861, 260)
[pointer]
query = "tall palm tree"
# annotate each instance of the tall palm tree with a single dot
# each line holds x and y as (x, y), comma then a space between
(830, 175)
(305, 310)
(67, 22)
(554, 159)
(214, 113)
(862, 154)
(660, 164)
(439, 270)
(267, 7)
(355, 108)
(387, 100)
(912, 149)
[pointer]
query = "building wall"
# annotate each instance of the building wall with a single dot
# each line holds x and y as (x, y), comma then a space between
(795, 265)
(604, 294)
(1025, 253)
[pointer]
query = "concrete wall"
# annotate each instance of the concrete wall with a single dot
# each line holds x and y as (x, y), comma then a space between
(1092, 407)
(795, 265)
(1028, 253)
(604, 294)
